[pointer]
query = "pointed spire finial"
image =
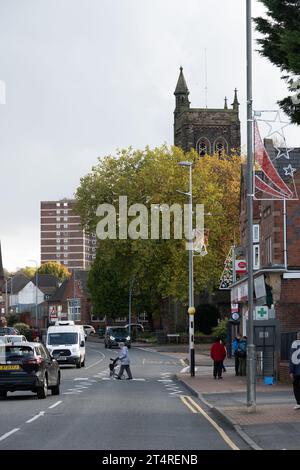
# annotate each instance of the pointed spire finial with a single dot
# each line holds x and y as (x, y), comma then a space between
(181, 87)
(235, 103)
(225, 103)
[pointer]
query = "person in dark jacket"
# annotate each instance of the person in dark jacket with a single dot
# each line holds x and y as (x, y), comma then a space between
(235, 344)
(242, 355)
(218, 354)
(294, 369)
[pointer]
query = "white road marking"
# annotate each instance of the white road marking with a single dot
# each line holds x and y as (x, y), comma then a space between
(41, 413)
(106, 378)
(4, 436)
(147, 349)
(69, 393)
(55, 404)
(74, 390)
(165, 380)
(80, 378)
(80, 386)
(97, 362)
(139, 380)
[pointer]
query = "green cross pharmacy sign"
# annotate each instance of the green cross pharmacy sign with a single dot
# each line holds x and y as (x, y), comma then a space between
(262, 313)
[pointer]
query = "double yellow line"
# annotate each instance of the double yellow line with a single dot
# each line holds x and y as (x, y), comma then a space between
(195, 408)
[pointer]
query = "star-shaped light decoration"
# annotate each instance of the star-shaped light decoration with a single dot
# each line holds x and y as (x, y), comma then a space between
(283, 152)
(289, 170)
(276, 126)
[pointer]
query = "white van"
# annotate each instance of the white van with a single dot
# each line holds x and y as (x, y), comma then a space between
(66, 343)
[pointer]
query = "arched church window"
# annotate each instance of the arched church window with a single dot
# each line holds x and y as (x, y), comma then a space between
(203, 147)
(221, 146)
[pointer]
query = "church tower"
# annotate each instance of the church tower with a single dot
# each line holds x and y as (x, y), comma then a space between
(207, 130)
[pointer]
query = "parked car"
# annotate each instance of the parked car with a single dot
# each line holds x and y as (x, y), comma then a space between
(28, 366)
(13, 339)
(89, 329)
(115, 335)
(136, 328)
(8, 330)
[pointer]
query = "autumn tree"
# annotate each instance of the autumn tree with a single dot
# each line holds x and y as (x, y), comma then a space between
(281, 45)
(56, 269)
(158, 267)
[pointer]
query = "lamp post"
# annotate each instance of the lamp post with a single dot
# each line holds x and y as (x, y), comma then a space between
(36, 292)
(191, 309)
(251, 367)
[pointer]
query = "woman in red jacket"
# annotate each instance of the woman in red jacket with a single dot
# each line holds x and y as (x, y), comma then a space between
(218, 354)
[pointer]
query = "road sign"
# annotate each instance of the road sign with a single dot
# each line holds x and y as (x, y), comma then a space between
(240, 266)
(262, 313)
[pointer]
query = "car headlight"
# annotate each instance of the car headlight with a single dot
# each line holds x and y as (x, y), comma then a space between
(128, 338)
(112, 338)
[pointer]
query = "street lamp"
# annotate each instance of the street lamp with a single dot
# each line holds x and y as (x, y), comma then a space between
(251, 386)
(191, 309)
(36, 292)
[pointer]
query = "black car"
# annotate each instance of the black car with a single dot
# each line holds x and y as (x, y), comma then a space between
(28, 366)
(115, 335)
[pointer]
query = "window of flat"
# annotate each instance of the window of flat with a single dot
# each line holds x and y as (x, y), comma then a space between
(268, 249)
(256, 257)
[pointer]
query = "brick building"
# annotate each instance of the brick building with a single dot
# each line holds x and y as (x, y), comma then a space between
(71, 301)
(62, 237)
(207, 130)
(276, 259)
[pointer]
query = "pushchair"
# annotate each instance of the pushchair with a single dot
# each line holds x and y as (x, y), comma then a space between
(114, 368)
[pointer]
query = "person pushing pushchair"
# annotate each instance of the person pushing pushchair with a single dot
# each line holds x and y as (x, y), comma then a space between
(125, 363)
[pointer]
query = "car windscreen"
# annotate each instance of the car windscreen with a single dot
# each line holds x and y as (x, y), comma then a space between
(15, 353)
(62, 338)
(118, 332)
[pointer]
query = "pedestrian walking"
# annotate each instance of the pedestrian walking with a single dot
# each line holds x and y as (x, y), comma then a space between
(294, 369)
(125, 362)
(242, 355)
(218, 354)
(235, 344)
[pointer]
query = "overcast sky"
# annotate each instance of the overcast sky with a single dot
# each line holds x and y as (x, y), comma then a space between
(84, 77)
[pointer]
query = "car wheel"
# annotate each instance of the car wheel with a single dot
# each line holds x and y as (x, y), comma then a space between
(55, 390)
(105, 345)
(78, 364)
(83, 363)
(42, 392)
(109, 346)
(3, 394)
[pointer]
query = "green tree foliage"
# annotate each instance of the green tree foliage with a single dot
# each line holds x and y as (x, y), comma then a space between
(281, 45)
(157, 268)
(220, 331)
(54, 268)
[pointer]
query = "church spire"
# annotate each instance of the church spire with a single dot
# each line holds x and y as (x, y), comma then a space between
(235, 103)
(181, 94)
(225, 103)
